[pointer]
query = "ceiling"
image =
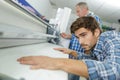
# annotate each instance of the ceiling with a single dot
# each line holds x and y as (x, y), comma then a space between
(107, 10)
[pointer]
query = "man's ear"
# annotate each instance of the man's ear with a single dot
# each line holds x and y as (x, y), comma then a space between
(97, 32)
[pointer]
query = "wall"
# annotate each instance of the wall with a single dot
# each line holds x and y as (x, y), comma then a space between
(113, 25)
(117, 26)
(43, 6)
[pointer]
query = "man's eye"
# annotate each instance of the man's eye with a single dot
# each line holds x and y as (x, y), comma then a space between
(83, 35)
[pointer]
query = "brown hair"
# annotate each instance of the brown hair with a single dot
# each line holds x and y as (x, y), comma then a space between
(85, 22)
(82, 5)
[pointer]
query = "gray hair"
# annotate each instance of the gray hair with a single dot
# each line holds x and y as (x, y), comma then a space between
(83, 5)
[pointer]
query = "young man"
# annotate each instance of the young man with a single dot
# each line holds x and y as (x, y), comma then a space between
(103, 49)
(81, 11)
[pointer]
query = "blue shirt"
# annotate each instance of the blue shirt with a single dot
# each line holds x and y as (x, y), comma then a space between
(75, 45)
(96, 17)
(105, 58)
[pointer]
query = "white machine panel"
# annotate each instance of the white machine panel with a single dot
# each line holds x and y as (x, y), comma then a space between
(17, 27)
(10, 67)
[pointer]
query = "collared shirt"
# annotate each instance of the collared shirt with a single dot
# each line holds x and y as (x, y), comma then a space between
(74, 43)
(105, 62)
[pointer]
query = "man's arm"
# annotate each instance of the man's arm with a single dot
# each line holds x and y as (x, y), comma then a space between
(77, 67)
(68, 65)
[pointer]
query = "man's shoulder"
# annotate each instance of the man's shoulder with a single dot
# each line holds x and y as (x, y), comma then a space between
(92, 14)
(109, 35)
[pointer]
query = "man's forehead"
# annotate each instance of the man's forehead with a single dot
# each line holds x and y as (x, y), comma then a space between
(80, 31)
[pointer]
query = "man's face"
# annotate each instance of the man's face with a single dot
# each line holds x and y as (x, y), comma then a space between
(79, 11)
(86, 38)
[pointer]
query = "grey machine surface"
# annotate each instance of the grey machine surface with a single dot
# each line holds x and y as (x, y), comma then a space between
(24, 35)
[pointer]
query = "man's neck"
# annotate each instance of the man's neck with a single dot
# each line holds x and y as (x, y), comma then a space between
(87, 52)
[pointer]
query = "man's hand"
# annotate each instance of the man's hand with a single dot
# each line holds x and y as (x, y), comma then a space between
(39, 62)
(66, 36)
(67, 51)
(43, 62)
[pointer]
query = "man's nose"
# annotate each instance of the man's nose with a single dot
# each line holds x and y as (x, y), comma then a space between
(81, 41)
